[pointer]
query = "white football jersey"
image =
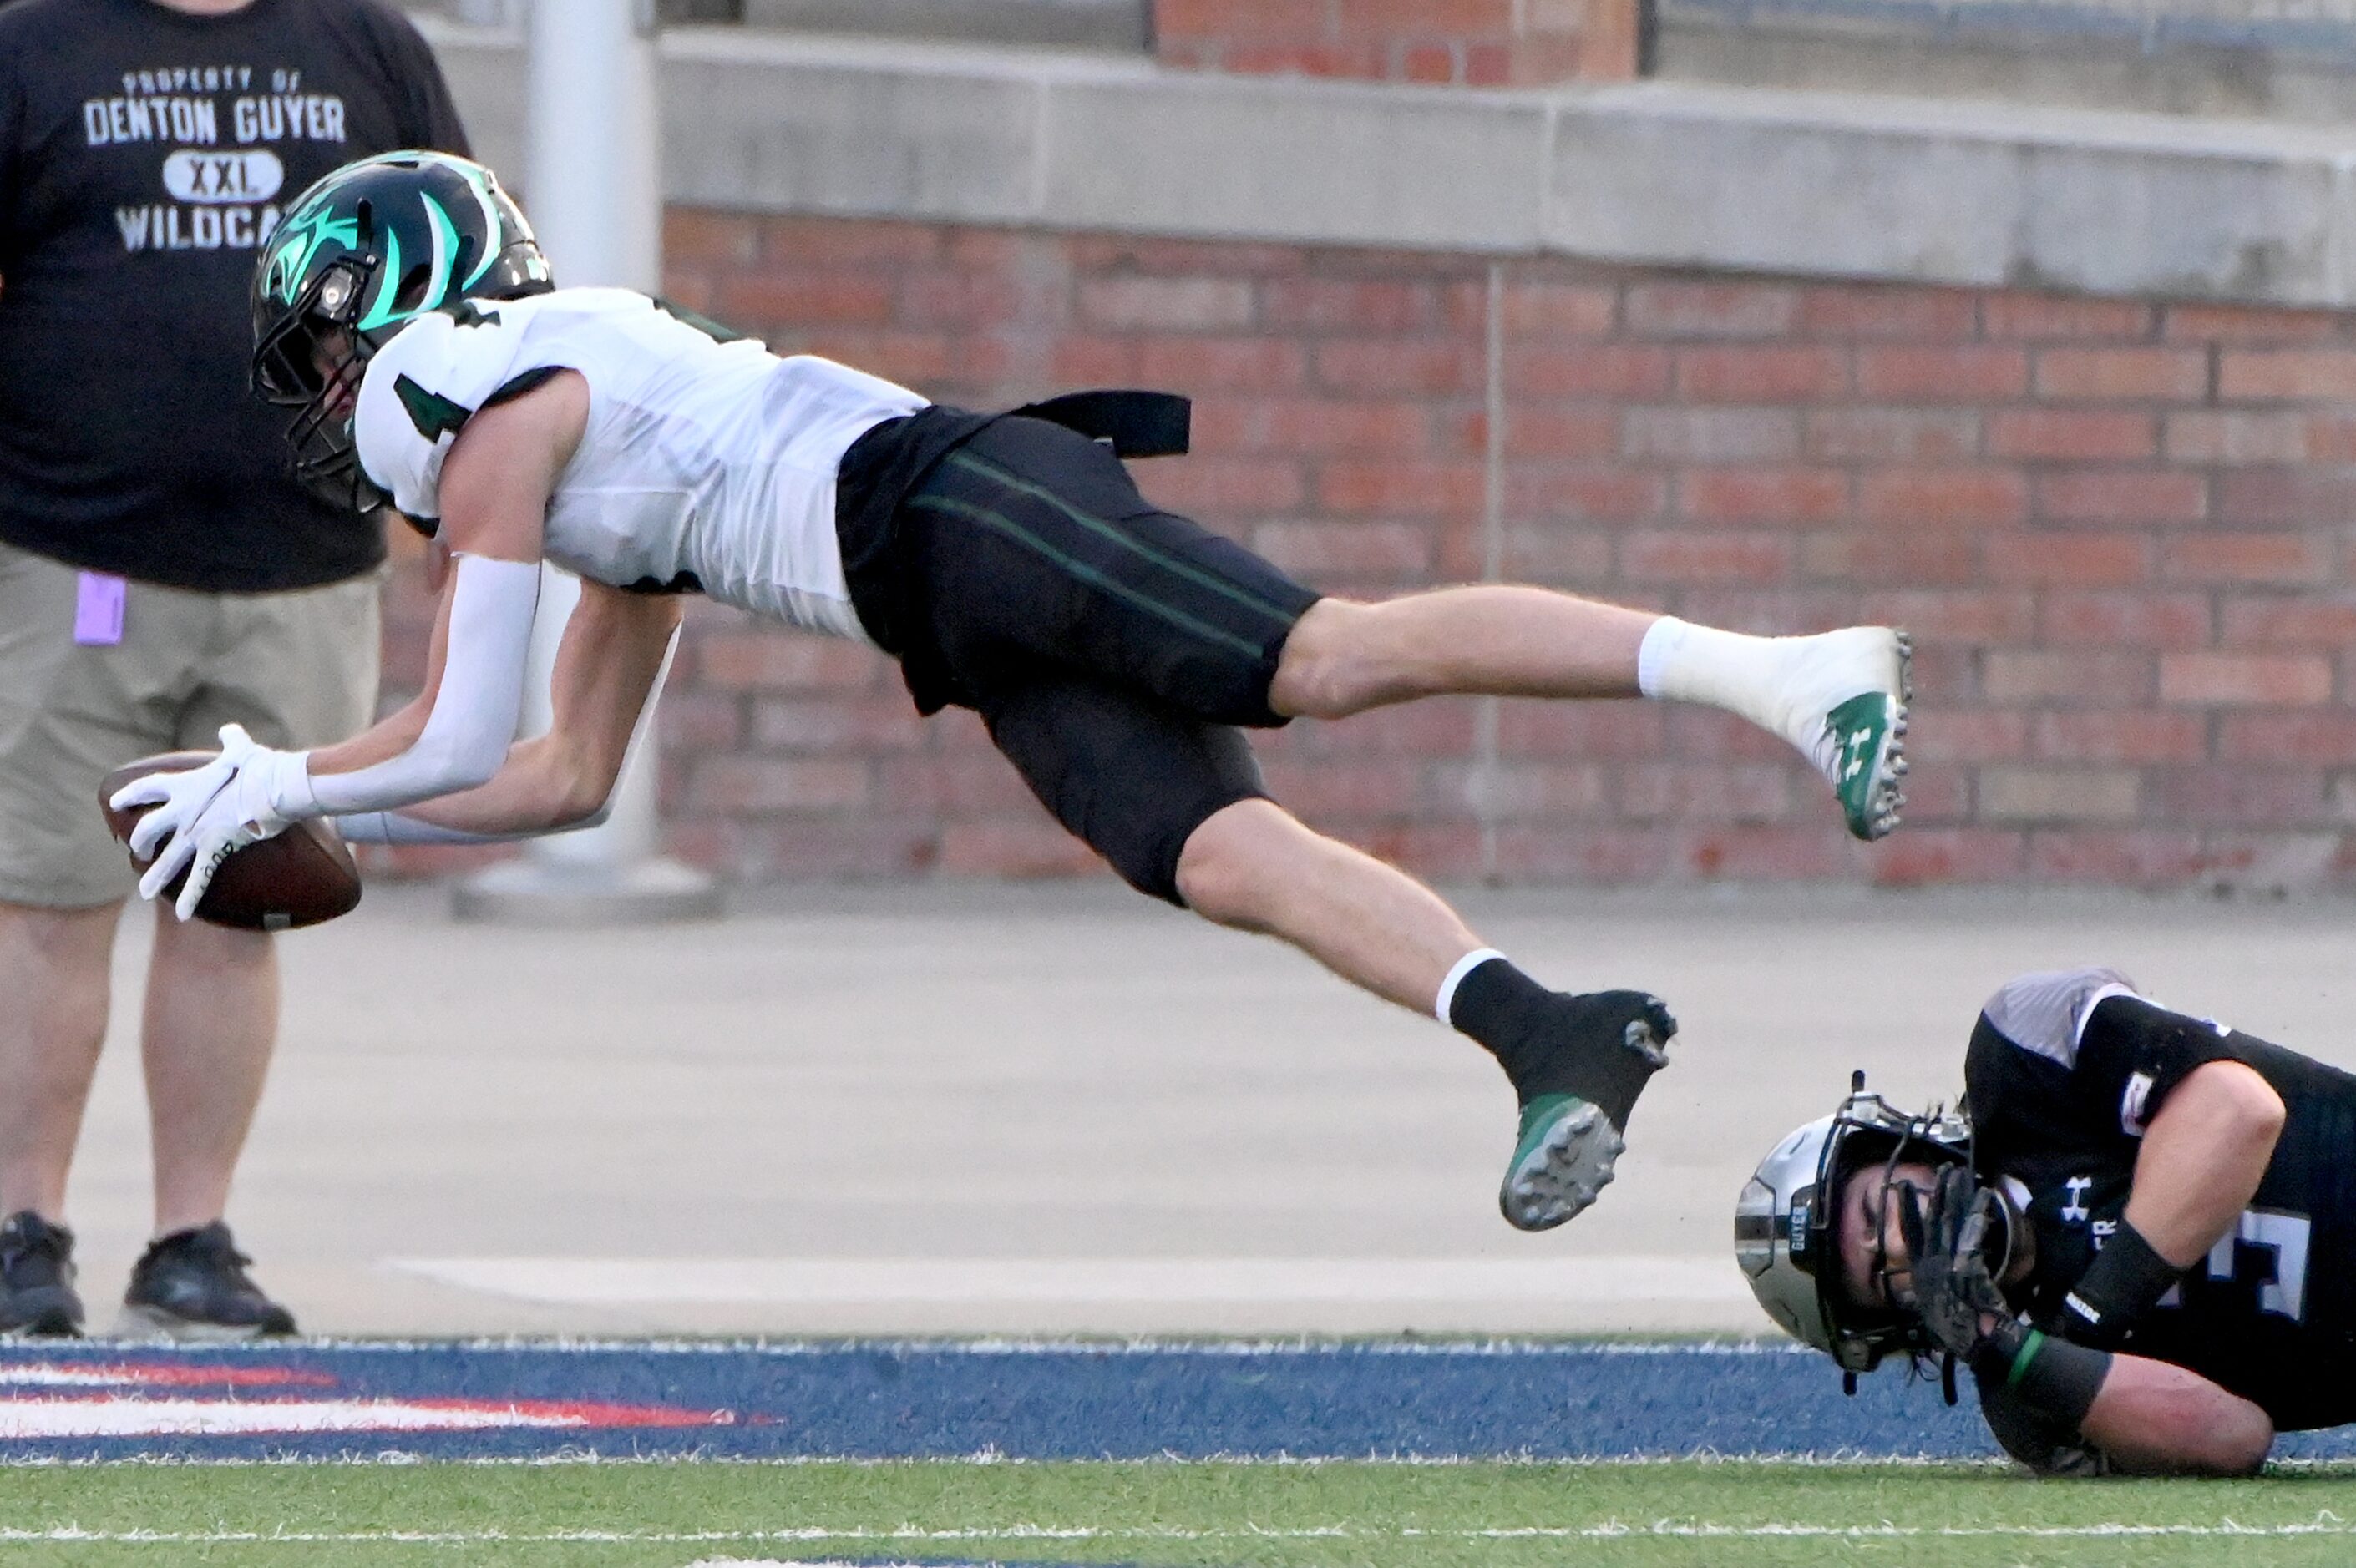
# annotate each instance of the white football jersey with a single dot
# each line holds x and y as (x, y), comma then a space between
(703, 458)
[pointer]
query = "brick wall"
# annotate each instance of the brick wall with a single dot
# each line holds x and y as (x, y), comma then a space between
(1476, 43)
(2117, 529)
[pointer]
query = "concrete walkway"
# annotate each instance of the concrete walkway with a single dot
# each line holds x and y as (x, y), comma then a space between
(1061, 1108)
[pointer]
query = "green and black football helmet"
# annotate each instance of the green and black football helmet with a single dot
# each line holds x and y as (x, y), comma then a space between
(357, 256)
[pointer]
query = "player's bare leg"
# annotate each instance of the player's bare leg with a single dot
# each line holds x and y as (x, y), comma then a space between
(54, 972)
(211, 1019)
(1840, 696)
(1577, 1063)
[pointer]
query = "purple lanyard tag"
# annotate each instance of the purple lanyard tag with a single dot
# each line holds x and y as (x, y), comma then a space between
(98, 609)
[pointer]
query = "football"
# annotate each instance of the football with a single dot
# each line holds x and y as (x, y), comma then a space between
(299, 878)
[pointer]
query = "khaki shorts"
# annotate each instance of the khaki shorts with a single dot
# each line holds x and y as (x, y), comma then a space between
(296, 669)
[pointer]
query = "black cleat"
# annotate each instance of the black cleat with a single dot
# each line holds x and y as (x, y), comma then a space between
(37, 1271)
(192, 1286)
(1612, 1042)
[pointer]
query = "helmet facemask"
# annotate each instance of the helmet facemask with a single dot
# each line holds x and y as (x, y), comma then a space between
(312, 360)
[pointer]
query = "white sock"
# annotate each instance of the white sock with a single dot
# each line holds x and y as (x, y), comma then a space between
(1681, 662)
(1464, 966)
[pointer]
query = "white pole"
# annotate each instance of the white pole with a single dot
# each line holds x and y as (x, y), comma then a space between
(593, 189)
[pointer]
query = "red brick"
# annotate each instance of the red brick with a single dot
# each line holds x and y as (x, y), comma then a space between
(1402, 487)
(1695, 557)
(2114, 374)
(1225, 364)
(1777, 374)
(2250, 680)
(1173, 304)
(2141, 619)
(885, 722)
(2107, 676)
(1601, 730)
(1710, 310)
(1955, 618)
(957, 299)
(1890, 555)
(1924, 498)
(1222, 20)
(1892, 435)
(1965, 373)
(1588, 370)
(700, 234)
(2077, 434)
(1966, 735)
(1552, 554)
(2250, 558)
(1585, 495)
(771, 299)
(736, 785)
(1400, 365)
(1436, 726)
(1765, 854)
(1014, 847)
(2315, 497)
(1862, 311)
(2256, 375)
(698, 722)
(958, 781)
(1428, 19)
(1390, 787)
(2136, 736)
(1571, 310)
(2239, 796)
(2253, 324)
(1311, 425)
(1690, 792)
(2068, 561)
(835, 241)
(2122, 495)
(1772, 610)
(2283, 622)
(1543, 431)
(1711, 435)
(1225, 487)
(2328, 738)
(2009, 793)
(783, 662)
(1326, 549)
(1581, 855)
(2137, 858)
(1093, 361)
(1528, 792)
(2246, 436)
(1324, 304)
(1802, 495)
(2045, 317)
(1920, 856)
(1430, 63)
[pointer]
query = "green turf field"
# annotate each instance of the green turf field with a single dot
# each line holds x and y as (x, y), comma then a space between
(673, 1514)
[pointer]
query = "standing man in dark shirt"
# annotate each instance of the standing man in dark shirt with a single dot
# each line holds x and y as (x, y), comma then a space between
(160, 575)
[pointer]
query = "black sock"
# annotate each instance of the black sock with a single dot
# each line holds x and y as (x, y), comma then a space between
(1552, 1042)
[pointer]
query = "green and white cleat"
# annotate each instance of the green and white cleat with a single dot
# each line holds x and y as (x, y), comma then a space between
(1561, 1163)
(1845, 702)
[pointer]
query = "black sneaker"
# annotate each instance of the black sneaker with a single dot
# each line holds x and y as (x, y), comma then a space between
(37, 1273)
(192, 1285)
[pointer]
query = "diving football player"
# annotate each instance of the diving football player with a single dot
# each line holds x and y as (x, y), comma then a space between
(1114, 651)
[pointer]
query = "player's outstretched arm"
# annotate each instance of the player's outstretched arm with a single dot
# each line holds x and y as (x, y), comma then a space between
(2153, 1418)
(608, 679)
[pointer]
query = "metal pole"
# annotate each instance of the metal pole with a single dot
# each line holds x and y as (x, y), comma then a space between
(592, 188)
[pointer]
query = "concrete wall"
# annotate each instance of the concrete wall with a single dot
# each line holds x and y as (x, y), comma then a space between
(1756, 361)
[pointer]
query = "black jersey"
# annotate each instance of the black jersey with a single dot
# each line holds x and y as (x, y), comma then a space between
(145, 154)
(2066, 1071)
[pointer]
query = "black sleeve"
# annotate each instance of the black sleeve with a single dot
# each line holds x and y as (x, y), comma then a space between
(12, 137)
(2135, 1053)
(429, 117)
(2037, 1440)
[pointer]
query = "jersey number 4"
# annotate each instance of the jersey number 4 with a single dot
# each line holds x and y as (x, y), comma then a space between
(2274, 1241)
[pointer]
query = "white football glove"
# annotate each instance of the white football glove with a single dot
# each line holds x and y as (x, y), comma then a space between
(247, 794)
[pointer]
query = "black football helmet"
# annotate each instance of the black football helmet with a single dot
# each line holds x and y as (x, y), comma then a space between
(357, 256)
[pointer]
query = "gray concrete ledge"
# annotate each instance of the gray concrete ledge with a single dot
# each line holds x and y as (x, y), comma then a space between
(1653, 173)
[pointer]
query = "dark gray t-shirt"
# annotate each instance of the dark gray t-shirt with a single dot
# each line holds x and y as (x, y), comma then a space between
(145, 153)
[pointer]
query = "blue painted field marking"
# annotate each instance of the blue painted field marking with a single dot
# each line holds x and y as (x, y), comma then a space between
(887, 1400)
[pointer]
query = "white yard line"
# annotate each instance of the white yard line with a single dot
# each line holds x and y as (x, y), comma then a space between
(2324, 1524)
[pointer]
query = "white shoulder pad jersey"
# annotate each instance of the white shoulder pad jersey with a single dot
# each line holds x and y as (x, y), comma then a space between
(707, 461)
